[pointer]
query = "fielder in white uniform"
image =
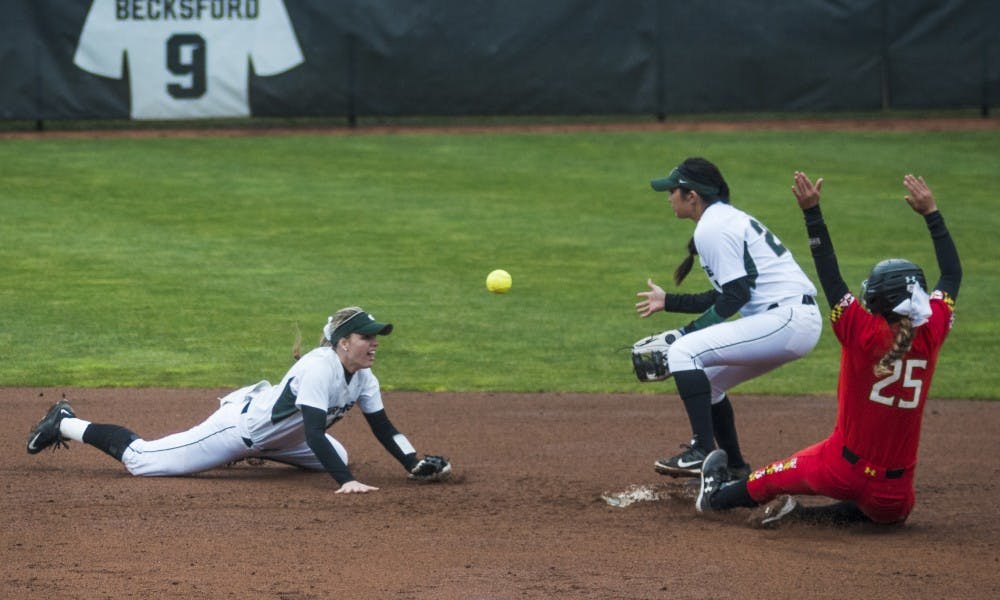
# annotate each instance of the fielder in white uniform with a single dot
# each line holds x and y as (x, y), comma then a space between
(752, 274)
(285, 423)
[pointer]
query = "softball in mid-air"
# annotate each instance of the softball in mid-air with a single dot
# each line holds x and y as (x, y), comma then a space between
(498, 281)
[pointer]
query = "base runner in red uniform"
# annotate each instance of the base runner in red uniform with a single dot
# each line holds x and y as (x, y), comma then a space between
(888, 356)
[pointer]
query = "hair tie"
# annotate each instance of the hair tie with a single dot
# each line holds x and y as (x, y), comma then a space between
(917, 307)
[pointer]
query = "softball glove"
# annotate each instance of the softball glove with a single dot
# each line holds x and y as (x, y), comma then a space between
(649, 356)
(431, 468)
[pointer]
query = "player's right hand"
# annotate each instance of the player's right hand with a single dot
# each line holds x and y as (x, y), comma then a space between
(355, 487)
(654, 300)
(806, 193)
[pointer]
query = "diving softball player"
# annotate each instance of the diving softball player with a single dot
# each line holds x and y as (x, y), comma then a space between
(284, 423)
(889, 353)
(752, 274)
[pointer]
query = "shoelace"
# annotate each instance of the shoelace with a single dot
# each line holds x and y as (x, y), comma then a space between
(59, 442)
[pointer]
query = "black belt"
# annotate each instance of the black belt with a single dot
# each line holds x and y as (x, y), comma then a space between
(807, 300)
(854, 458)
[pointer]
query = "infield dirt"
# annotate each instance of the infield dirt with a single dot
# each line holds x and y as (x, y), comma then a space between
(523, 517)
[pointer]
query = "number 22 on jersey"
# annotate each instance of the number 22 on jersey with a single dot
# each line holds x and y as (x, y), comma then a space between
(772, 241)
(911, 381)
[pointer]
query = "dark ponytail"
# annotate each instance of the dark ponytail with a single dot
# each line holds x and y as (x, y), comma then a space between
(685, 267)
(712, 188)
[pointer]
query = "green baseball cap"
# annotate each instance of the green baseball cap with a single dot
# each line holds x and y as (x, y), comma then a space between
(679, 179)
(360, 322)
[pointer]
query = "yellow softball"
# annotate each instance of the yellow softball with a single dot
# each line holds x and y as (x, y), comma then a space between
(498, 281)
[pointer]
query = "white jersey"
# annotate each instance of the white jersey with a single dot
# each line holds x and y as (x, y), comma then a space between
(263, 421)
(273, 418)
(188, 58)
(732, 244)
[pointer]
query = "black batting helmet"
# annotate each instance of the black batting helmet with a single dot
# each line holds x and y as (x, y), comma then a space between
(889, 283)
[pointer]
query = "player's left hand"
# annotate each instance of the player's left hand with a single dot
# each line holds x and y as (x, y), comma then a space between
(431, 468)
(920, 198)
(649, 355)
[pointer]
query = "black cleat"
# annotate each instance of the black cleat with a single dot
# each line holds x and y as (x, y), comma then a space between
(46, 432)
(714, 473)
(685, 464)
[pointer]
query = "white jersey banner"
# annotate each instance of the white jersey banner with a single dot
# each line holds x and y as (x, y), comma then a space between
(187, 58)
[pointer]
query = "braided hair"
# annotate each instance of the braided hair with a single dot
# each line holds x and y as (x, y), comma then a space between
(703, 172)
(900, 346)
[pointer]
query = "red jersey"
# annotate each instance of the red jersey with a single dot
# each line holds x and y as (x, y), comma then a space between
(879, 417)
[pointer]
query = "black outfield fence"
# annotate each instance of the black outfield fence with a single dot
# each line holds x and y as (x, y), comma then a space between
(184, 59)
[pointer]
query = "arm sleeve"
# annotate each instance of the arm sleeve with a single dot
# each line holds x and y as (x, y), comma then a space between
(947, 255)
(393, 441)
(734, 295)
(689, 303)
(824, 257)
(314, 421)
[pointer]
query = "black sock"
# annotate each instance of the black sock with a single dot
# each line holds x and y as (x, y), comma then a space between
(110, 439)
(731, 496)
(724, 426)
(696, 392)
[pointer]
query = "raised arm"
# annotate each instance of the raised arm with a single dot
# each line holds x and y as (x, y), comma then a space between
(807, 194)
(921, 200)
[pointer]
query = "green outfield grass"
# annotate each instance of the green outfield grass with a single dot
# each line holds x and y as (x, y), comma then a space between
(194, 261)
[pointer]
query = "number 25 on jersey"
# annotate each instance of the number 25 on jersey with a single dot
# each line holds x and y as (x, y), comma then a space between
(911, 381)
